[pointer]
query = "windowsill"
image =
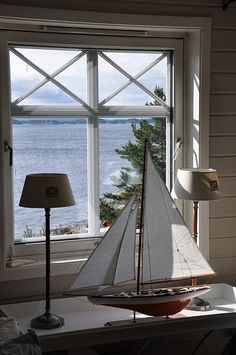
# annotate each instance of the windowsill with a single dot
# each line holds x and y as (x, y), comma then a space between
(76, 246)
(67, 257)
(36, 268)
(61, 238)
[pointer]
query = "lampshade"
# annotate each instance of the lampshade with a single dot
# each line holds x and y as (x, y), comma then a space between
(196, 185)
(46, 191)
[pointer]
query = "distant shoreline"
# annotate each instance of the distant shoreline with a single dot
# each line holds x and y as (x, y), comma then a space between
(63, 121)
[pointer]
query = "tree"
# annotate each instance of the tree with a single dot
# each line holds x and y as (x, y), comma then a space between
(155, 133)
(154, 130)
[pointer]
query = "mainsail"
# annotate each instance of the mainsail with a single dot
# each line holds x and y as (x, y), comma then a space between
(168, 249)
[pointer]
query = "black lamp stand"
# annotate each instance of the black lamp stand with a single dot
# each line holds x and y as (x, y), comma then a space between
(47, 320)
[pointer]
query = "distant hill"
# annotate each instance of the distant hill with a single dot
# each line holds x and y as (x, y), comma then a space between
(22, 121)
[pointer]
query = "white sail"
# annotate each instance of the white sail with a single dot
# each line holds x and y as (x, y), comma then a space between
(113, 259)
(125, 268)
(169, 251)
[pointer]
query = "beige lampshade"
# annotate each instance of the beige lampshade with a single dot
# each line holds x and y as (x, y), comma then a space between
(196, 184)
(46, 191)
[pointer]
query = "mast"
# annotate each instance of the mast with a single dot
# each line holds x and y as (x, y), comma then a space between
(140, 240)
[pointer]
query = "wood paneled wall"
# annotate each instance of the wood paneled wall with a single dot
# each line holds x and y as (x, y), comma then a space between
(223, 144)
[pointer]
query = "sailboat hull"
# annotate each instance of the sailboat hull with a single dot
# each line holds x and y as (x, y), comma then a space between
(160, 302)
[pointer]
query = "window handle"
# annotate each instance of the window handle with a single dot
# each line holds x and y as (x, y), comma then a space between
(177, 147)
(8, 148)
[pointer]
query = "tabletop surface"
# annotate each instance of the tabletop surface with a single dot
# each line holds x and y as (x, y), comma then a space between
(83, 318)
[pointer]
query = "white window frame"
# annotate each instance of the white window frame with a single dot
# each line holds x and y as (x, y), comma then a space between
(98, 110)
(195, 32)
(92, 131)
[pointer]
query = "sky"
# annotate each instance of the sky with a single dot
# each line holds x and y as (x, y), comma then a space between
(24, 77)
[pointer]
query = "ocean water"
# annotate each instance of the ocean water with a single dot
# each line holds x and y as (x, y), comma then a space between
(62, 149)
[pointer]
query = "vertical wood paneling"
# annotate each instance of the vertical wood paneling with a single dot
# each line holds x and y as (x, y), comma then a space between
(223, 145)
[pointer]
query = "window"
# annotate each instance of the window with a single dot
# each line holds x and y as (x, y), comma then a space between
(106, 89)
(93, 56)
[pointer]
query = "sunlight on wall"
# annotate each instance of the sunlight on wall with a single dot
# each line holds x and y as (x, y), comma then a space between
(195, 120)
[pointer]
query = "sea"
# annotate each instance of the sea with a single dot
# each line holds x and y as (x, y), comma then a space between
(62, 148)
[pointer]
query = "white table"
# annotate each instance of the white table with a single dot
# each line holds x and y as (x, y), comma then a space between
(84, 322)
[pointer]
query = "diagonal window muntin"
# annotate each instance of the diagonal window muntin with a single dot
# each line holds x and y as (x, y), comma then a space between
(50, 78)
(47, 77)
(133, 79)
(101, 107)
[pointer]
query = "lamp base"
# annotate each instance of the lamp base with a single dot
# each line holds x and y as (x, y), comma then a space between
(198, 304)
(47, 321)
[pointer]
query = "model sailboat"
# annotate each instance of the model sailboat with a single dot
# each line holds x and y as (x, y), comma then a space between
(165, 252)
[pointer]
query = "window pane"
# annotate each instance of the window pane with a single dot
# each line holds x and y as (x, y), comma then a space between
(43, 77)
(130, 78)
(121, 160)
(112, 136)
(23, 77)
(47, 76)
(55, 146)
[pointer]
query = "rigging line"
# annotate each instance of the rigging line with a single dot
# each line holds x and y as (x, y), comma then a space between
(159, 281)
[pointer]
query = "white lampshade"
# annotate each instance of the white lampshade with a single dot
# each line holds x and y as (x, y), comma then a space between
(196, 185)
(46, 191)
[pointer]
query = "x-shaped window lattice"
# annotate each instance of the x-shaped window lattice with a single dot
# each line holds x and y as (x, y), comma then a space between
(52, 78)
(133, 79)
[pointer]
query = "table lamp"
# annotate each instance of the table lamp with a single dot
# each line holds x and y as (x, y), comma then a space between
(196, 184)
(47, 191)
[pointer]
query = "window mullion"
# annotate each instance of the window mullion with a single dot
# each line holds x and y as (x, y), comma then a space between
(169, 121)
(93, 145)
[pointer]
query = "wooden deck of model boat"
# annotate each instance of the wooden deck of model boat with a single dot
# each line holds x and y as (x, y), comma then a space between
(155, 303)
